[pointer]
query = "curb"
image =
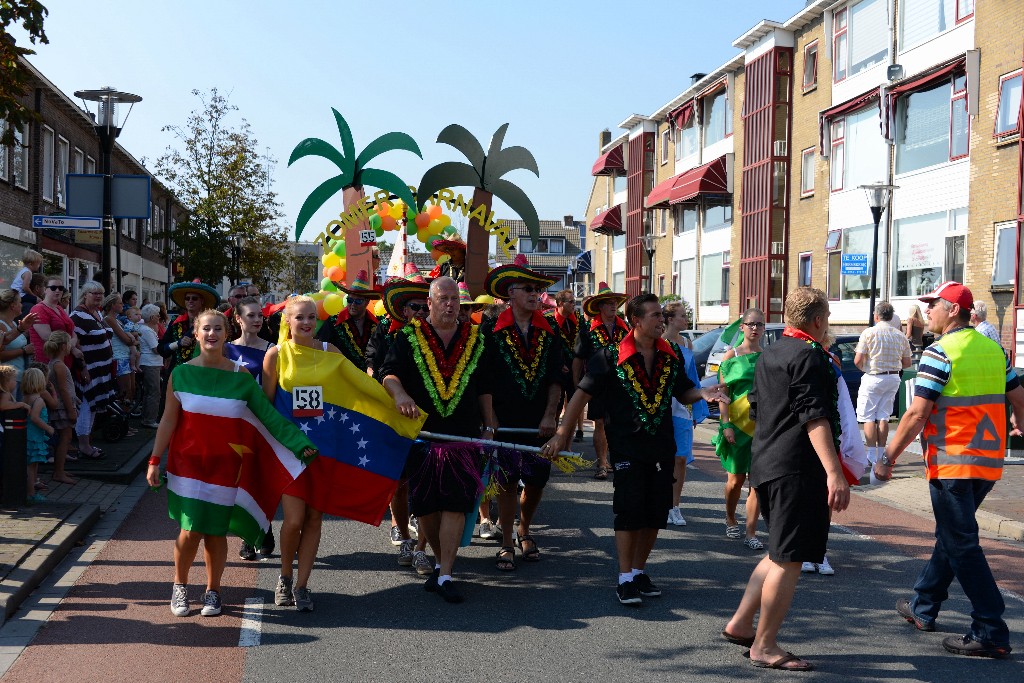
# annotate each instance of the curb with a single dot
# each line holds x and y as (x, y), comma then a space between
(129, 470)
(27, 576)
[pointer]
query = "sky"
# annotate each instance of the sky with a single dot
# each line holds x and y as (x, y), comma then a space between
(558, 72)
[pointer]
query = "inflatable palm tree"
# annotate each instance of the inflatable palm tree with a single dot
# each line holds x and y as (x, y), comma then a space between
(484, 174)
(352, 176)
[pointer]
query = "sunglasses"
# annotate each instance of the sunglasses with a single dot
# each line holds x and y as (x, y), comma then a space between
(416, 308)
(57, 288)
(356, 300)
(530, 289)
(193, 297)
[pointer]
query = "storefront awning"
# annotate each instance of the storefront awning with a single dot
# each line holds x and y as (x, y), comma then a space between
(608, 222)
(681, 116)
(609, 163)
(711, 178)
(660, 194)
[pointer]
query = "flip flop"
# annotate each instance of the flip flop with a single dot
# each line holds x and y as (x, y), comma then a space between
(602, 473)
(738, 640)
(781, 663)
(96, 454)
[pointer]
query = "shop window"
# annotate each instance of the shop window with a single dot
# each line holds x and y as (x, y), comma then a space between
(1006, 254)
(807, 172)
(855, 240)
(686, 218)
(860, 38)
(810, 66)
(929, 251)
(804, 270)
(932, 126)
(1008, 112)
(47, 173)
(717, 214)
(922, 20)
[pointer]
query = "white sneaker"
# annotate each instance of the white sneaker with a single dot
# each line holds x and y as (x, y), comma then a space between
(679, 516)
(179, 600)
(487, 530)
(808, 568)
(825, 569)
(675, 517)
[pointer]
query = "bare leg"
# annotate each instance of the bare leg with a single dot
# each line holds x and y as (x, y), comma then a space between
(883, 433)
(450, 533)
(642, 547)
(679, 472)
(309, 544)
(600, 443)
(733, 490)
(528, 504)
(485, 511)
(753, 511)
(185, 548)
(32, 470)
(400, 508)
(776, 596)
(870, 434)
(60, 456)
(215, 553)
(625, 548)
(507, 501)
(430, 529)
(742, 622)
(291, 531)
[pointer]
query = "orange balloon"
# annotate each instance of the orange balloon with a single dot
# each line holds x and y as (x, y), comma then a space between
(336, 274)
(435, 211)
(388, 223)
(320, 312)
(422, 219)
(383, 209)
(325, 271)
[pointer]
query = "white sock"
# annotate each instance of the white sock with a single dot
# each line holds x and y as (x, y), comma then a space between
(437, 566)
(625, 577)
(873, 454)
(443, 579)
(637, 572)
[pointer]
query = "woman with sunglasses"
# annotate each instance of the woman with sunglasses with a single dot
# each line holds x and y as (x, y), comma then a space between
(50, 317)
(735, 435)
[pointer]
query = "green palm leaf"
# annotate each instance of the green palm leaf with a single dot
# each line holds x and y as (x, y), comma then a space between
(509, 159)
(462, 140)
(348, 146)
(319, 148)
(386, 180)
(497, 140)
(446, 174)
(387, 143)
(318, 198)
(518, 202)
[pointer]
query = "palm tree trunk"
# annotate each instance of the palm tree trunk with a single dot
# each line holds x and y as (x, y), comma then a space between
(477, 245)
(357, 257)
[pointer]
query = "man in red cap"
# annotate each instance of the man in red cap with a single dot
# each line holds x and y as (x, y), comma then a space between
(959, 402)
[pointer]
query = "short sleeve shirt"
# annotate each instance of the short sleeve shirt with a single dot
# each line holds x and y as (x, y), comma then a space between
(885, 348)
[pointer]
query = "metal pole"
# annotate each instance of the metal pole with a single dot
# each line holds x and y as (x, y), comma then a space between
(107, 135)
(876, 214)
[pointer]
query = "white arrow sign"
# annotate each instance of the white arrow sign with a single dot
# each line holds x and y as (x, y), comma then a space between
(67, 223)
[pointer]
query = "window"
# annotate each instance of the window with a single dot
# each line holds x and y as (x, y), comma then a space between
(929, 251)
(714, 269)
(717, 214)
(126, 227)
(47, 177)
(19, 157)
(717, 118)
(860, 154)
(807, 172)
(860, 38)
(725, 278)
(619, 281)
(686, 140)
(1008, 113)
(932, 126)
(1004, 268)
(618, 183)
(804, 270)
(844, 287)
(90, 165)
(686, 218)
(665, 138)
(78, 161)
(684, 272)
(661, 285)
(544, 245)
(838, 154)
(922, 20)
(63, 159)
(663, 222)
(619, 243)
(811, 66)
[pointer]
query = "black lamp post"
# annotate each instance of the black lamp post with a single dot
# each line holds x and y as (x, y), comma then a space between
(878, 195)
(648, 242)
(236, 258)
(105, 125)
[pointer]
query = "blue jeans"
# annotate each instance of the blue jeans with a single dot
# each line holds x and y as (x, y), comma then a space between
(958, 554)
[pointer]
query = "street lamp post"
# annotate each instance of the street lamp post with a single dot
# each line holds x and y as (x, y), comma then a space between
(105, 125)
(648, 240)
(878, 195)
(236, 258)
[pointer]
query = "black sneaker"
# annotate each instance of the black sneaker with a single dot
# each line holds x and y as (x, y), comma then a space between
(579, 436)
(628, 593)
(450, 592)
(966, 645)
(431, 585)
(396, 536)
(646, 587)
(267, 549)
(247, 552)
(903, 609)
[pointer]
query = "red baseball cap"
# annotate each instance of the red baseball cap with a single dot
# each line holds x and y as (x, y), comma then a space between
(953, 292)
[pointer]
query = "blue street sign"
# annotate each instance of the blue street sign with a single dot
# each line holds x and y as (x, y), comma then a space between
(66, 222)
(854, 264)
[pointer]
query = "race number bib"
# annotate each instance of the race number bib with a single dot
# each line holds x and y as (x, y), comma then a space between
(307, 401)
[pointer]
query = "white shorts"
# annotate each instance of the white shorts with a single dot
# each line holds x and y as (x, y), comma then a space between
(876, 396)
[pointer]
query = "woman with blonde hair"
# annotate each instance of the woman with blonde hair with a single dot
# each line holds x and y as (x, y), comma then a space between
(15, 348)
(915, 325)
(121, 343)
(96, 384)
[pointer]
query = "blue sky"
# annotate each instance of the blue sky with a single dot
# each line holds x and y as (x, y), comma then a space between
(558, 71)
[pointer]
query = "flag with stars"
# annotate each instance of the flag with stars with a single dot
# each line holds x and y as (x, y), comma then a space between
(231, 455)
(363, 440)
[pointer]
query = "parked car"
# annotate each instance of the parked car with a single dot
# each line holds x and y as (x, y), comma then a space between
(772, 331)
(693, 335)
(702, 347)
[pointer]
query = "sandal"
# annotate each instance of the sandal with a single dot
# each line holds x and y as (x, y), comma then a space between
(733, 531)
(72, 456)
(531, 555)
(781, 662)
(96, 454)
(602, 473)
(506, 559)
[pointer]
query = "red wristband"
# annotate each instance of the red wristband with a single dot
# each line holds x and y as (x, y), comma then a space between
(154, 460)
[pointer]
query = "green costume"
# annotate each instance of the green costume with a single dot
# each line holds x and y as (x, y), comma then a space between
(738, 374)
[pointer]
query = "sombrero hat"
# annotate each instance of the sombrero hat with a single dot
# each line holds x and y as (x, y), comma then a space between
(464, 297)
(360, 287)
(178, 291)
(499, 280)
(604, 293)
(448, 246)
(399, 291)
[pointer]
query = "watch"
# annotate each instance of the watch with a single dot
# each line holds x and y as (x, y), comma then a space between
(887, 462)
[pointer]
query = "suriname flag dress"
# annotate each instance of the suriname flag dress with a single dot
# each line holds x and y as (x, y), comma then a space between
(738, 373)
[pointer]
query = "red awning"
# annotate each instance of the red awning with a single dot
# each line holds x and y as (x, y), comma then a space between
(660, 193)
(608, 222)
(711, 178)
(681, 116)
(929, 78)
(848, 107)
(609, 163)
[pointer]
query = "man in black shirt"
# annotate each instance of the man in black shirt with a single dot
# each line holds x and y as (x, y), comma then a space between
(564, 319)
(524, 371)
(795, 471)
(351, 329)
(435, 363)
(636, 382)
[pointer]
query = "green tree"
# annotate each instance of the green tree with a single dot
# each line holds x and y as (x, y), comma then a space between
(13, 76)
(224, 183)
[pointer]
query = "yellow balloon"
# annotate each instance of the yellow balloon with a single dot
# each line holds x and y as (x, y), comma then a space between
(397, 211)
(325, 260)
(316, 296)
(333, 304)
(341, 263)
(378, 308)
(330, 260)
(445, 221)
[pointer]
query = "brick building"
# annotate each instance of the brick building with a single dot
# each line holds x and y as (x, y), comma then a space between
(32, 182)
(557, 252)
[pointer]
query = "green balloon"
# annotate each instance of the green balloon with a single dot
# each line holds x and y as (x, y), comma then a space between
(375, 221)
(450, 230)
(410, 228)
(339, 248)
(379, 231)
(410, 215)
(327, 285)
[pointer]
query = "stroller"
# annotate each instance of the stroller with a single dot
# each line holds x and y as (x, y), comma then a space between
(111, 422)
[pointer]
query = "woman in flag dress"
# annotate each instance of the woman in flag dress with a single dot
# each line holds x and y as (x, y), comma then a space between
(735, 435)
(250, 348)
(205, 466)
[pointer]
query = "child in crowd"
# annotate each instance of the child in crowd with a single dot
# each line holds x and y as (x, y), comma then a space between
(31, 261)
(65, 411)
(33, 384)
(134, 328)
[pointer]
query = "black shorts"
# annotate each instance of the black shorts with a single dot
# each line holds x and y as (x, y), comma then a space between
(795, 510)
(643, 494)
(441, 484)
(596, 409)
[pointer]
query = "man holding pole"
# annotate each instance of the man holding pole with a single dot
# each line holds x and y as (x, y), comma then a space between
(524, 361)
(637, 380)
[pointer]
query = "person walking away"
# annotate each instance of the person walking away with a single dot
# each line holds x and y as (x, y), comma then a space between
(963, 383)
(979, 321)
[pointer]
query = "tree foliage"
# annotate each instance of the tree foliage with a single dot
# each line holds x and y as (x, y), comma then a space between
(224, 183)
(13, 76)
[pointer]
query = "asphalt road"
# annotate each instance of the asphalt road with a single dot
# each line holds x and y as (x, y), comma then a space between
(556, 620)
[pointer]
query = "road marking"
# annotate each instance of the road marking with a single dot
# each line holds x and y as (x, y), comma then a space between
(252, 623)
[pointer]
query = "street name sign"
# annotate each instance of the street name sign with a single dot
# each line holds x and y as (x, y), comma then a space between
(66, 222)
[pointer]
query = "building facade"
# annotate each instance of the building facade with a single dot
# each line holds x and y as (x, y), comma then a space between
(560, 251)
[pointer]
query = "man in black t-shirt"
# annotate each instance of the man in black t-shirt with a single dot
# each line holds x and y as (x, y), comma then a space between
(637, 381)
(795, 471)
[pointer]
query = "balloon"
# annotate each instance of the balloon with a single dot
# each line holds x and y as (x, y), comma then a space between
(396, 211)
(435, 226)
(326, 270)
(324, 260)
(422, 220)
(383, 209)
(321, 312)
(327, 285)
(410, 215)
(450, 230)
(379, 231)
(436, 255)
(388, 223)
(342, 263)
(333, 304)
(316, 296)
(378, 308)
(435, 211)
(410, 228)
(335, 274)
(339, 248)
(423, 236)
(445, 221)
(375, 221)
(330, 260)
